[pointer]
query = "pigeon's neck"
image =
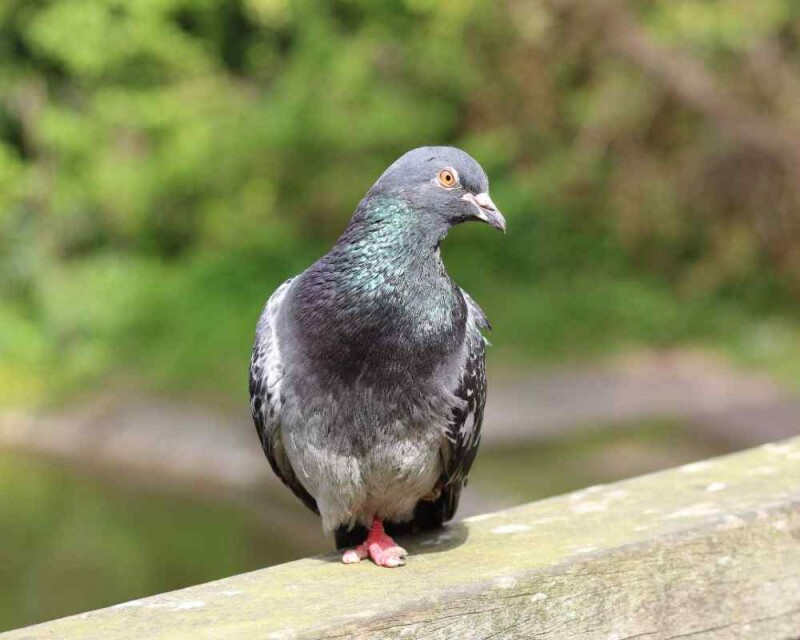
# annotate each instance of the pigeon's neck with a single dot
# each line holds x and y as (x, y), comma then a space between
(390, 249)
(393, 230)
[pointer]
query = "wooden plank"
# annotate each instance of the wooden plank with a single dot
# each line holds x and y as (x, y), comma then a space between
(710, 550)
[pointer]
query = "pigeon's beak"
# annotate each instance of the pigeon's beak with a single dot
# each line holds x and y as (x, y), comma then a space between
(486, 211)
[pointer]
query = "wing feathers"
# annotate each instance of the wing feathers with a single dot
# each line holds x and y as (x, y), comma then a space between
(464, 430)
(266, 373)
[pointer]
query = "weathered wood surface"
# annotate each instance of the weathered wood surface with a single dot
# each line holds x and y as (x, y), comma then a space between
(710, 550)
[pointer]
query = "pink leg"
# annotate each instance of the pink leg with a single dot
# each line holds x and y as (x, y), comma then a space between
(378, 546)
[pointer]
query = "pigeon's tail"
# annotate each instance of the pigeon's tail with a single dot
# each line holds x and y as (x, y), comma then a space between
(427, 515)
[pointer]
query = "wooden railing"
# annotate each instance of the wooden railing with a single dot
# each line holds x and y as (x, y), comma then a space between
(708, 550)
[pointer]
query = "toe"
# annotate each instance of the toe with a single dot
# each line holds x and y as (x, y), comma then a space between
(391, 560)
(351, 556)
(393, 556)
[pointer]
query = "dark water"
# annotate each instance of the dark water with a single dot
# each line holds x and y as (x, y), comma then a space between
(71, 542)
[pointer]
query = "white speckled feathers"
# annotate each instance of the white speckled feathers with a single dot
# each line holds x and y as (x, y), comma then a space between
(266, 375)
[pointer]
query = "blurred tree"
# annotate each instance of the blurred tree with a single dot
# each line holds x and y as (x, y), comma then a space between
(159, 156)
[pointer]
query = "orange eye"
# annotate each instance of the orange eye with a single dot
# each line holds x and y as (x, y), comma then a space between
(447, 178)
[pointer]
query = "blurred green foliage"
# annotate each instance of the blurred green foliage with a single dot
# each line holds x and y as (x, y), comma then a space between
(165, 163)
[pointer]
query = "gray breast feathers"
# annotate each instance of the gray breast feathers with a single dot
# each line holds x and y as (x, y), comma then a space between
(362, 449)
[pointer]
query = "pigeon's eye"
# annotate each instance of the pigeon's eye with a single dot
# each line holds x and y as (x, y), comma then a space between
(448, 178)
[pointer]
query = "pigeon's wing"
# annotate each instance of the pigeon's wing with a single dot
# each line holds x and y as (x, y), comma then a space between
(266, 373)
(475, 314)
(464, 430)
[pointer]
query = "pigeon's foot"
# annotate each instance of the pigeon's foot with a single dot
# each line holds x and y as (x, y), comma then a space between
(380, 547)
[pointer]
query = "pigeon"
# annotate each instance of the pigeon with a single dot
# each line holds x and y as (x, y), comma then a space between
(367, 377)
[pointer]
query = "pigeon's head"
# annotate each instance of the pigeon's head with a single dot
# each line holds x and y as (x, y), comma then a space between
(444, 186)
